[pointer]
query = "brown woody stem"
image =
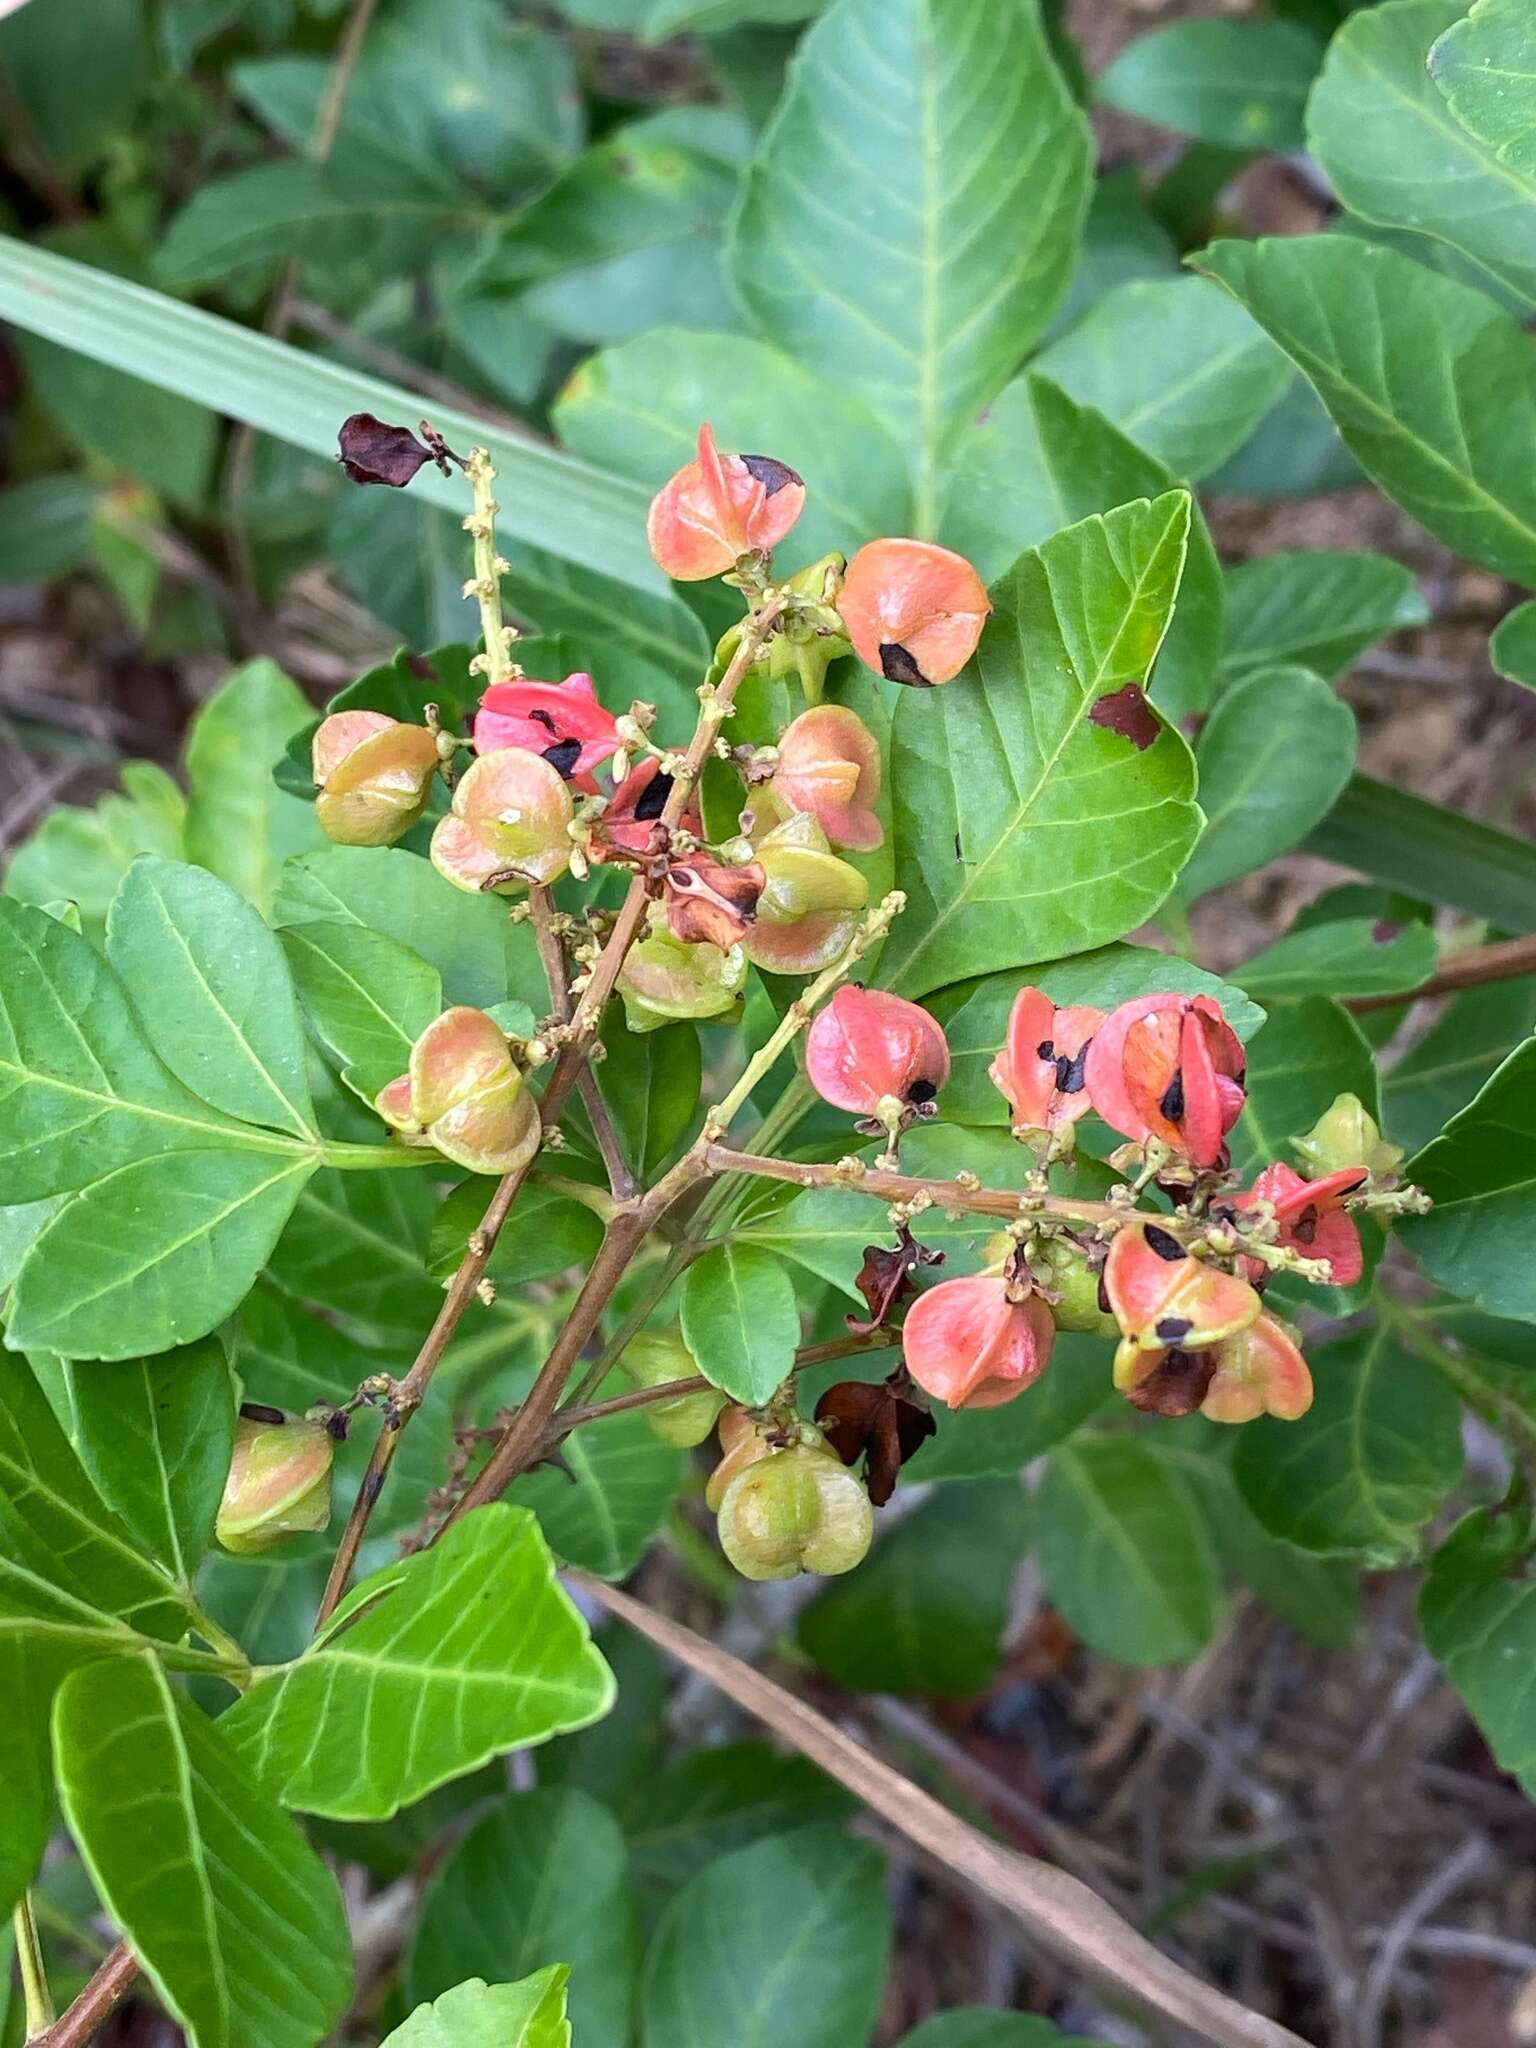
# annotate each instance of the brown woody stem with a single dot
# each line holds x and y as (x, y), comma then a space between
(1504, 961)
(552, 956)
(695, 1383)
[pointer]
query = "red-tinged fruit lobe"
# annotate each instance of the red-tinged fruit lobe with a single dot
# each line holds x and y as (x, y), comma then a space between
(809, 907)
(718, 508)
(373, 774)
(1162, 1297)
(1259, 1372)
(914, 611)
(630, 824)
(464, 1095)
(561, 722)
(279, 1483)
(867, 1047)
(1168, 1068)
(972, 1344)
(1311, 1216)
(829, 765)
(509, 824)
(1040, 1068)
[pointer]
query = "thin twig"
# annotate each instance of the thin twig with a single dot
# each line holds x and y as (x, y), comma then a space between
(1056, 1909)
(695, 1383)
(1467, 1862)
(38, 1999)
(621, 1180)
(1505, 961)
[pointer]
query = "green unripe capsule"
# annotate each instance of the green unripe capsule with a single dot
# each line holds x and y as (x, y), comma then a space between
(653, 1358)
(795, 1510)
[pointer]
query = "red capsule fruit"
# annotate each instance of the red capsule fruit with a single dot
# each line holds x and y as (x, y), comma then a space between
(1040, 1067)
(562, 722)
(867, 1049)
(1258, 1371)
(1311, 1216)
(718, 508)
(509, 824)
(464, 1095)
(914, 611)
(1169, 1068)
(1161, 1296)
(974, 1343)
(829, 765)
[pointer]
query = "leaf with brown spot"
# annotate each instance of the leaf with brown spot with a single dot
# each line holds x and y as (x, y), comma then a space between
(1127, 712)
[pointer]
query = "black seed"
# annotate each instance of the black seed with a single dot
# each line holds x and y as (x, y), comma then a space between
(921, 1091)
(771, 474)
(897, 666)
(1045, 1050)
(258, 1411)
(562, 757)
(1172, 1104)
(1104, 1307)
(1165, 1246)
(1172, 1328)
(1069, 1073)
(543, 718)
(1304, 1229)
(652, 800)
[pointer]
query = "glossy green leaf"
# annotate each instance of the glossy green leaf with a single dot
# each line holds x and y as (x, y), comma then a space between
(1241, 84)
(474, 2014)
(985, 1443)
(545, 1232)
(1432, 385)
(155, 1435)
(1485, 64)
(926, 1610)
(1038, 462)
(1294, 452)
(1020, 838)
(544, 1877)
(449, 1658)
(1478, 1175)
(650, 1081)
(813, 1895)
(740, 1320)
(682, 1816)
(1272, 758)
(232, 1916)
(1368, 1464)
(867, 240)
(1125, 1552)
(1442, 1071)
(78, 77)
(1478, 1613)
(83, 1093)
(975, 1018)
(1432, 853)
(1395, 153)
(1354, 956)
(481, 957)
(403, 561)
(637, 407)
(1316, 609)
(367, 997)
(1309, 1051)
(626, 1480)
(80, 855)
(564, 506)
(356, 1244)
(155, 1254)
(1121, 242)
(566, 599)
(1171, 367)
(209, 983)
(239, 823)
(1512, 648)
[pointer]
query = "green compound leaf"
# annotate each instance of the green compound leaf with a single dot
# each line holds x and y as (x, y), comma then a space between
(813, 1895)
(1432, 385)
(1237, 84)
(926, 1611)
(1368, 1464)
(680, 1816)
(234, 1919)
(1478, 1175)
(461, 1652)
(239, 823)
(1273, 757)
(80, 856)
(1396, 154)
(1430, 852)
(1478, 1614)
(626, 1480)
(1025, 827)
(211, 989)
(1351, 956)
(1315, 609)
(867, 241)
(740, 1320)
(474, 2014)
(367, 997)
(1172, 368)
(544, 1875)
(1442, 1071)
(1125, 1551)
